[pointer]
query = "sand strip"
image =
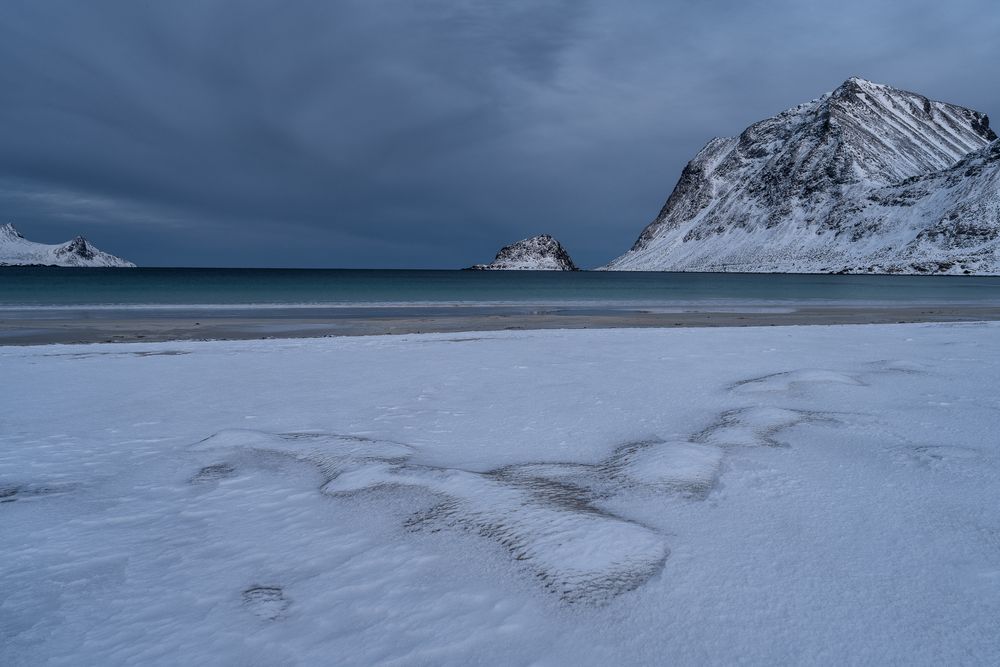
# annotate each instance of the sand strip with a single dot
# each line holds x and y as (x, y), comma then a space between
(216, 326)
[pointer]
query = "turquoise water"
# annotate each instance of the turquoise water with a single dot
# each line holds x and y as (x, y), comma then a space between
(40, 287)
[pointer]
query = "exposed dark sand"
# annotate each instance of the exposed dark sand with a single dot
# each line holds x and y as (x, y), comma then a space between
(213, 325)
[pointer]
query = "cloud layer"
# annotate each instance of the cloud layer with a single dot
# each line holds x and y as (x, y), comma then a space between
(392, 133)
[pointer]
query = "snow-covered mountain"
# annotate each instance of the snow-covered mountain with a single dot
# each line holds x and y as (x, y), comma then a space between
(539, 253)
(867, 178)
(15, 250)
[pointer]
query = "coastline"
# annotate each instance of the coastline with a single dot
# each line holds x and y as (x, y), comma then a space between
(220, 325)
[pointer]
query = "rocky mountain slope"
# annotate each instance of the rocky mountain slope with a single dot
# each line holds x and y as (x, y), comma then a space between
(539, 253)
(15, 250)
(943, 222)
(867, 178)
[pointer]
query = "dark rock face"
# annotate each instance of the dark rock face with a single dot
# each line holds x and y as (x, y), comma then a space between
(78, 247)
(844, 181)
(539, 253)
(8, 233)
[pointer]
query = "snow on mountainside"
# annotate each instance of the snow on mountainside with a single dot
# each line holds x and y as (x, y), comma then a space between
(15, 250)
(867, 178)
(539, 253)
(944, 222)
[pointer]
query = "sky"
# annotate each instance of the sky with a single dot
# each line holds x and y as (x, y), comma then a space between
(418, 134)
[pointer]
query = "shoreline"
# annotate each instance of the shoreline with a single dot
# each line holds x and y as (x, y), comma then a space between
(214, 325)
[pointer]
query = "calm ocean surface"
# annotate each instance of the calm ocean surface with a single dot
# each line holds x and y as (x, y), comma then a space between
(46, 288)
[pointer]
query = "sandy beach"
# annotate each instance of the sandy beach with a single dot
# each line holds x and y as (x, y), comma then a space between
(222, 325)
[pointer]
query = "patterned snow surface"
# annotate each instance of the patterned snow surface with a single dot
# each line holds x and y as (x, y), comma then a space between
(588, 497)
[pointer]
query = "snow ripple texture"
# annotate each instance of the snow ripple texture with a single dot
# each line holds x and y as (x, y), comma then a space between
(604, 497)
(536, 513)
(543, 514)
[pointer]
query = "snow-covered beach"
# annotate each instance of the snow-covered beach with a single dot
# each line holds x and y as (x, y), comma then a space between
(819, 495)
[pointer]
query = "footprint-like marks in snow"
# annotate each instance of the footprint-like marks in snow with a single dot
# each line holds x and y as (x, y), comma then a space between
(899, 366)
(689, 467)
(791, 380)
(214, 472)
(10, 493)
(653, 466)
(266, 602)
(756, 426)
(330, 452)
(941, 456)
(578, 551)
(89, 355)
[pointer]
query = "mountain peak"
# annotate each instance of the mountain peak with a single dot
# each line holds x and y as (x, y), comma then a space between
(79, 247)
(903, 102)
(7, 231)
(850, 89)
(856, 90)
(860, 82)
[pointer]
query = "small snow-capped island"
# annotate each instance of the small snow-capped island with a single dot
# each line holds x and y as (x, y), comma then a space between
(15, 250)
(539, 253)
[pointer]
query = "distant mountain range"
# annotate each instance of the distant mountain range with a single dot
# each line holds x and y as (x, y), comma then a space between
(15, 250)
(866, 179)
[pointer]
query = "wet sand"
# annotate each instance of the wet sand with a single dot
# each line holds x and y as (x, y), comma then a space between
(215, 325)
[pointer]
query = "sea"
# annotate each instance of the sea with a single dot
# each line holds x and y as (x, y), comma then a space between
(41, 291)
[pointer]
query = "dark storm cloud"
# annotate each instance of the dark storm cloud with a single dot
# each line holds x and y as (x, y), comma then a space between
(405, 133)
